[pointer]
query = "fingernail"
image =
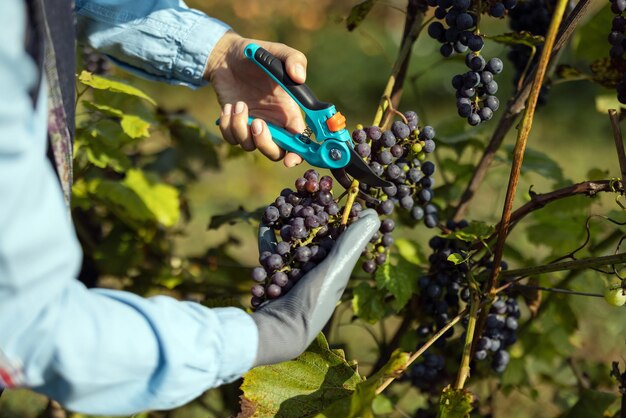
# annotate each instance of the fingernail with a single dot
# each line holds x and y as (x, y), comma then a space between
(257, 127)
(238, 108)
(226, 110)
(299, 70)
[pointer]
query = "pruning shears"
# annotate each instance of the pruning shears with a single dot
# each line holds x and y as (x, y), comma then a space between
(332, 147)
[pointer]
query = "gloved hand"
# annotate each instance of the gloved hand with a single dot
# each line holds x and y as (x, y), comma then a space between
(289, 324)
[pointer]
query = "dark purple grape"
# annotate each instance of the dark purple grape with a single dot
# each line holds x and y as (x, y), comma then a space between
(386, 207)
(374, 132)
(428, 168)
(274, 262)
(397, 151)
(388, 139)
(283, 248)
(363, 150)
(326, 183)
(359, 136)
(273, 291)
(429, 146)
(271, 214)
(387, 225)
(495, 65)
(279, 278)
(369, 266)
(303, 254)
(259, 274)
(385, 157)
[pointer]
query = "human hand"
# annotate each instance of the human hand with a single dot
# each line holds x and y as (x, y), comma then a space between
(289, 324)
(243, 89)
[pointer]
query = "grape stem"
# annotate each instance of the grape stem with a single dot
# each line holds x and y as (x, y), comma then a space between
(353, 192)
(464, 368)
(518, 157)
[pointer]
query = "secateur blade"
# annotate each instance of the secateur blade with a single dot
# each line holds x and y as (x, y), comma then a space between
(359, 169)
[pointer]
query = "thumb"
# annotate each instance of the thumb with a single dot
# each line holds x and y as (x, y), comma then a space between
(295, 61)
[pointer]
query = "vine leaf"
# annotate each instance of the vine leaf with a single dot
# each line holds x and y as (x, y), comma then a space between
(101, 152)
(234, 216)
(455, 258)
(475, 231)
(592, 403)
(368, 303)
(519, 38)
(132, 125)
(592, 34)
(358, 13)
(410, 251)
(101, 83)
(401, 284)
(538, 162)
(455, 403)
(359, 404)
(160, 198)
(299, 388)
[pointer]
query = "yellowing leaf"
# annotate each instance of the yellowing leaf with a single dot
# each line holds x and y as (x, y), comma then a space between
(161, 199)
(299, 388)
(135, 127)
(102, 83)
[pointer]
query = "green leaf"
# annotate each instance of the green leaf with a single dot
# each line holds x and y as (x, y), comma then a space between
(410, 251)
(102, 83)
(561, 224)
(368, 303)
(591, 404)
(590, 38)
(537, 162)
(101, 152)
(232, 217)
(299, 388)
(358, 13)
(160, 198)
(132, 125)
(359, 404)
(135, 127)
(475, 231)
(455, 403)
(456, 258)
(518, 38)
(399, 280)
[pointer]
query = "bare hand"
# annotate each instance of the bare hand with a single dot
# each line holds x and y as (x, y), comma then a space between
(244, 89)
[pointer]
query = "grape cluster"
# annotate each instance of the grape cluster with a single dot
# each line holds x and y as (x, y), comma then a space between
(476, 88)
(499, 333)
(617, 39)
(532, 16)
(95, 62)
(307, 220)
(444, 290)
(397, 155)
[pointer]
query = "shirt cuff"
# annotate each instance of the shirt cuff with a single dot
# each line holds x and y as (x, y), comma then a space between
(196, 47)
(240, 338)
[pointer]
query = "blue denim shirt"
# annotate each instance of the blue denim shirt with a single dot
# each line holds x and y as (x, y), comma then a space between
(98, 351)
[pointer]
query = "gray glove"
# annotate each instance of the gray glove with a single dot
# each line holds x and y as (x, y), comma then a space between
(289, 324)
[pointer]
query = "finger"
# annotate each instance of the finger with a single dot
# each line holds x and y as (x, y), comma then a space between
(239, 127)
(295, 61)
(262, 138)
(292, 160)
(225, 124)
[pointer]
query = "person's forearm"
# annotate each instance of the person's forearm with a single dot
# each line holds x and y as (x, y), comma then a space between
(97, 351)
(162, 40)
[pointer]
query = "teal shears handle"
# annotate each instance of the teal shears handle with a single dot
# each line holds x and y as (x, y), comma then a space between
(333, 147)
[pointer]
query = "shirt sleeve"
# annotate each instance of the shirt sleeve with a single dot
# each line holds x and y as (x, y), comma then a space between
(161, 40)
(95, 351)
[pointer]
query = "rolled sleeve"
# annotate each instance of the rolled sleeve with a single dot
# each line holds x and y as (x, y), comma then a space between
(161, 40)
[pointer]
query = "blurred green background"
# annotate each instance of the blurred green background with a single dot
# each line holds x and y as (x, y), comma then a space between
(350, 69)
